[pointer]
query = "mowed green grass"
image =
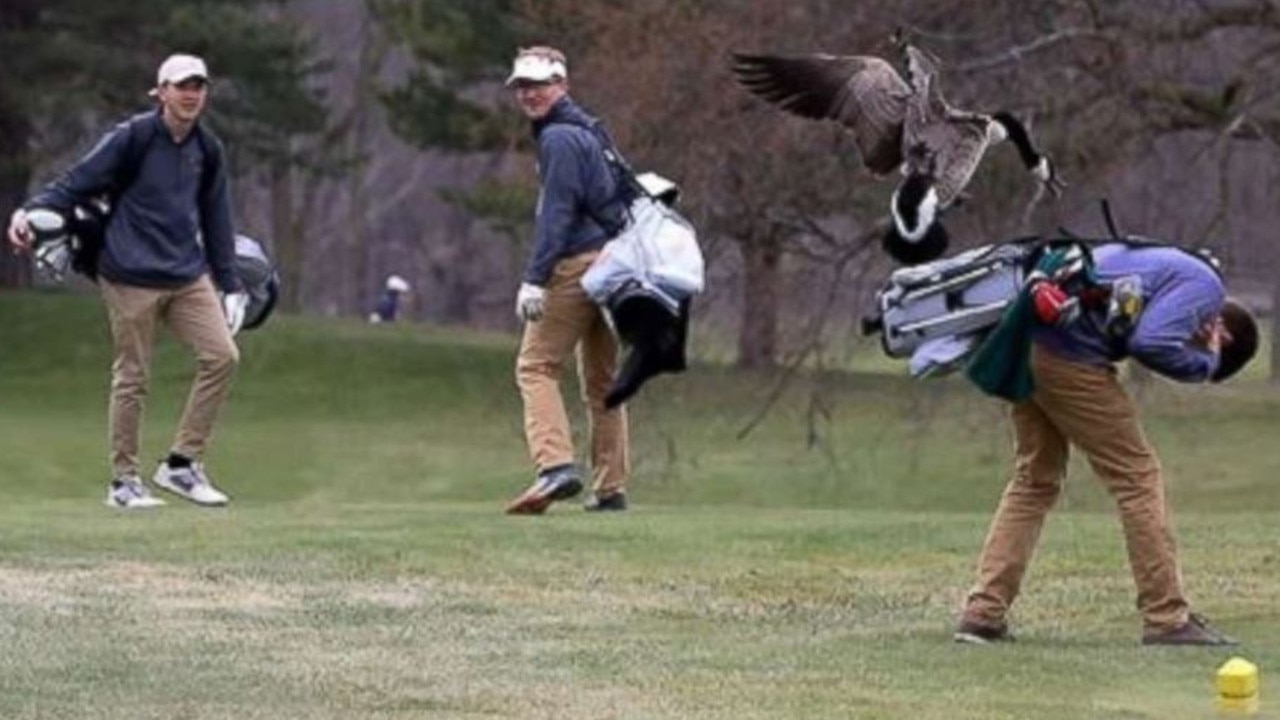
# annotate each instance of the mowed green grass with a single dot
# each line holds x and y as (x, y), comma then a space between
(809, 570)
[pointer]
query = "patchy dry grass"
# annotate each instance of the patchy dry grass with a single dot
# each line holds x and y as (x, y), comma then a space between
(714, 613)
(364, 569)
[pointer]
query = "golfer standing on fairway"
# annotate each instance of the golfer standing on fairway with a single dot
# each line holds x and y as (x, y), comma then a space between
(168, 255)
(579, 198)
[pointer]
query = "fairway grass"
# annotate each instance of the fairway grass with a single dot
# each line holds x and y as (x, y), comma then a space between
(364, 568)
(312, 610)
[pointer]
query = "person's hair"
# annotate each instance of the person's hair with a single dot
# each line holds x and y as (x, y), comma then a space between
(1236, 353)
(543, 51)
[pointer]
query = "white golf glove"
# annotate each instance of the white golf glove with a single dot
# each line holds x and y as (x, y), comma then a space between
(19, 230)
(530, 302)
(234, 305)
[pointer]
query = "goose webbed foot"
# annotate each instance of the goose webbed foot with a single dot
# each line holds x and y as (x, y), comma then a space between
(1055, 186)
(1047, 173)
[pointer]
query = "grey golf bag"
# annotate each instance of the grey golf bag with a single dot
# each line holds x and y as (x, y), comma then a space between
(936, 313)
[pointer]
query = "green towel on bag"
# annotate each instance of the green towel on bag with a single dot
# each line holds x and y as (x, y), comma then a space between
(1002, 364)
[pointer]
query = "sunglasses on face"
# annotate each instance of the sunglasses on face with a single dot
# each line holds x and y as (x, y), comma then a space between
(532, 85)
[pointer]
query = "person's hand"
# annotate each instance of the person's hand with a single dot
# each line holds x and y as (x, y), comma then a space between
(234, 305)
(1215, 333)
(19, 231)
(530, 302)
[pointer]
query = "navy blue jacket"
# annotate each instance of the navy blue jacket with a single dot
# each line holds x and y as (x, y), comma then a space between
(388, 305)
(581, 200)
(168, 227)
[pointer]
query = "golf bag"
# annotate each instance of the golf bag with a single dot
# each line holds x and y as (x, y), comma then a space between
(260, 280)
(646, 275)
(645, 279)
(936, 313)
(57, 240)
(652, 336)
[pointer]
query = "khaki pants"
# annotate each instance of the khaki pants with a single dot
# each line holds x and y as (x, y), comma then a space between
(1085, 406)
(194, 314)
(571, 320)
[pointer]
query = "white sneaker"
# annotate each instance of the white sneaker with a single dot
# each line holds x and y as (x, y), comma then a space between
(128, 492)
(190, 482)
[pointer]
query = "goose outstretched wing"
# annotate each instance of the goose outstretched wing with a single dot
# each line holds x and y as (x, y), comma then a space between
(864, 93)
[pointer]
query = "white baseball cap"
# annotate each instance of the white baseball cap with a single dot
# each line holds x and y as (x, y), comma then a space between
(177, 68)
(537, 68)
(395, 283)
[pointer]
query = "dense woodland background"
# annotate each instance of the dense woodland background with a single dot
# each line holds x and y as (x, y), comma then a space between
(371, 137)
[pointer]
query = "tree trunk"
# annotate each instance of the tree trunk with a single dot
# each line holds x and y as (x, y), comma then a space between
(15, 174)
(758, 337)
(458, 289)
(357, 248)
(286, 234)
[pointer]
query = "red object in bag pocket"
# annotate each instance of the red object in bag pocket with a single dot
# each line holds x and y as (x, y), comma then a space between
(1052, 304)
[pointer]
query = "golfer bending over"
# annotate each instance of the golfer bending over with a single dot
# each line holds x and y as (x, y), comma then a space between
(1187, 330)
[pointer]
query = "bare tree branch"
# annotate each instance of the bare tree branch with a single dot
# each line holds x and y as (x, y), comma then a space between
(855, 250)
(1018, 53)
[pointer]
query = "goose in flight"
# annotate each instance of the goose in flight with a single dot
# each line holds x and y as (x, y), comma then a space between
(897, 125)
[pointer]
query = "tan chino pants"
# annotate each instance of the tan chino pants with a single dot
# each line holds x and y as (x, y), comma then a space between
(572, 321)
(194, 314)
(1088, 407)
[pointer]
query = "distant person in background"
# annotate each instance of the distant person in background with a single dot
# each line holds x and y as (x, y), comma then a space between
(1179, 324)
(169, 255)
(388, 307)
(580, 207)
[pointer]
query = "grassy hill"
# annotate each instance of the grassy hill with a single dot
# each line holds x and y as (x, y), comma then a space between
(809, 569)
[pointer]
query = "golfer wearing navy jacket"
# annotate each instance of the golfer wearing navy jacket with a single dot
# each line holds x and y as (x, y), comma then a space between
(168, 256)
(580, 207)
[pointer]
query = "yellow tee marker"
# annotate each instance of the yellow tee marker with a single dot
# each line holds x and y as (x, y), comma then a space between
(1237, 683)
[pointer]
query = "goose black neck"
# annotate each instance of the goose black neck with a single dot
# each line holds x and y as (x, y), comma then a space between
(1020, 138)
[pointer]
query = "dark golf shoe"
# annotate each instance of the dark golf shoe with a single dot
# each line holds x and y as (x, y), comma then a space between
(613, 502)
(1195, 631)
(975, 633)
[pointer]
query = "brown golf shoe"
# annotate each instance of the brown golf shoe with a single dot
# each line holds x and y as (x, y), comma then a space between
(1195, 631)
(557, 484)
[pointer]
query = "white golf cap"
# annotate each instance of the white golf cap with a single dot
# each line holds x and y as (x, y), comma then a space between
(177, 68)
(395, 283)
(537, 68)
